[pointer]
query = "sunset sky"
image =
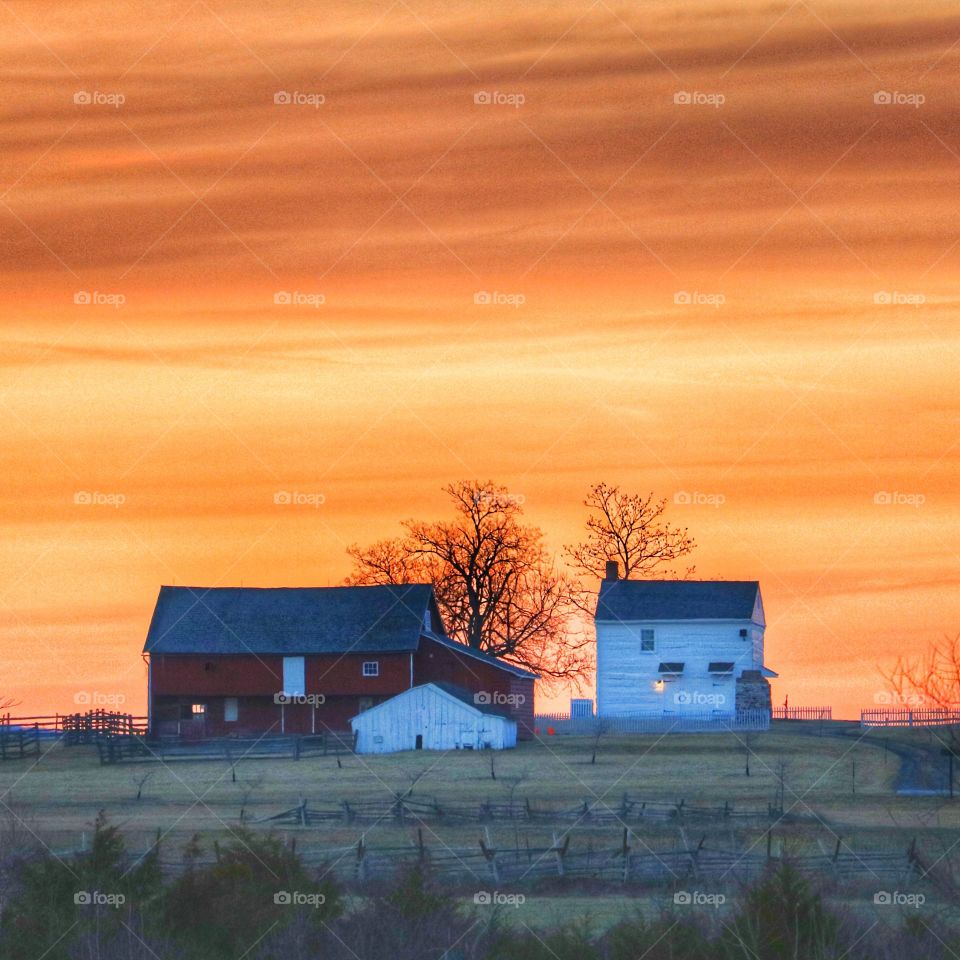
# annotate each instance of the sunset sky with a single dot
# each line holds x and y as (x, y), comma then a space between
(752, 296)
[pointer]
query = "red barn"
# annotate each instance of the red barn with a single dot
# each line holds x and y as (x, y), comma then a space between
(241, 660)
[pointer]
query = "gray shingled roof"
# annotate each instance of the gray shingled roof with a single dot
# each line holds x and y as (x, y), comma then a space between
(645, 600)
(288, 620)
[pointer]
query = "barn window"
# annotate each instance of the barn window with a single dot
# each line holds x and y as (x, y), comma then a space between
(647, 641)
(230, 710)
(294, 684)
(198, 709)
(371, 668)
(366, 703)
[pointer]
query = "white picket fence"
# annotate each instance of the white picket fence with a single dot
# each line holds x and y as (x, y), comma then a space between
(884, 717)
(562, 724)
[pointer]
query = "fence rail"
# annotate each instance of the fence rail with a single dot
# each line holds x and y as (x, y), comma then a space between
(116, 749)
(19, 742)
(623, 858)
(562, 724)
(412, 810)
(908, 718)
(802, 713)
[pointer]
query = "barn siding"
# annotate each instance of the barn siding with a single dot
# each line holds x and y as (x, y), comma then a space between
(436, 662)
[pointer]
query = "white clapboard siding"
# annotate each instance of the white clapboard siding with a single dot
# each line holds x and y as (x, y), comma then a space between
(443, 721)
(627, 676)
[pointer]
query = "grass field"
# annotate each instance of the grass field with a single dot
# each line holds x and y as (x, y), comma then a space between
(835, 785)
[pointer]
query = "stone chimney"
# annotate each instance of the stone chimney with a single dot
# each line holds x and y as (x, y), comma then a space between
(613, 570)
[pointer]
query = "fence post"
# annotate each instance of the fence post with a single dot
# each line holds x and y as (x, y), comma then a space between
(490, 855)
(361, 866)
(625, 853)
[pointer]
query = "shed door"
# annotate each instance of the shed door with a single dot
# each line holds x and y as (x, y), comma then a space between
(294, 684)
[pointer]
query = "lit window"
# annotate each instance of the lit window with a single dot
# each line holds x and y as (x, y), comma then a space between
(371, 668)
(198, 709)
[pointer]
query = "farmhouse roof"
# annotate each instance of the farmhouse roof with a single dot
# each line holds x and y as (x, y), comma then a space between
(289, 620)
(648, 600)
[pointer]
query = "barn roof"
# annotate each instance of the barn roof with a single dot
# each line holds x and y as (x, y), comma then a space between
(464, 650)
(639, 600)
(289, 620)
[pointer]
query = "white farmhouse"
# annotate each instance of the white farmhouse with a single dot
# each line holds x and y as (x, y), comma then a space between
(680, 646)
(434, 716)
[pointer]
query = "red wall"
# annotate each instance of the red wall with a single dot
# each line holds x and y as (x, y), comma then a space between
(179, 679)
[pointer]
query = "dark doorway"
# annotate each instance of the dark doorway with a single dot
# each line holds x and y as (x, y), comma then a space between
(419, 745)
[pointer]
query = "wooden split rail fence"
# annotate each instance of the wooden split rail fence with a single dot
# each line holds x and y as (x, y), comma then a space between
(414, 810)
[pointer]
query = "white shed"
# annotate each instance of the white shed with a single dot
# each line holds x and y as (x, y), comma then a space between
(433, 716)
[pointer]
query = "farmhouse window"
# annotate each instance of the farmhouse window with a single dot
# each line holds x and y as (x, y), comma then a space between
(230, 710)
(671, 668)
(720, 666)
(198, 709)
(371, 668)
(647, 641)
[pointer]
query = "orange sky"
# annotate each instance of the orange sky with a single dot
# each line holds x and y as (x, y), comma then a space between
(790, 213)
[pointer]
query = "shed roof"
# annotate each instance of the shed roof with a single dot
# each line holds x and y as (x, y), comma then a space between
(289, 620)
(646, 600)
(443, 689)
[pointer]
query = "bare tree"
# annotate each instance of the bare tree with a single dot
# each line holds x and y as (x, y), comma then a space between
(497, 589)
(631, 529)
(932, 680)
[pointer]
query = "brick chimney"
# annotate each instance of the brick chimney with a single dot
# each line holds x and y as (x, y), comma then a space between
(613, 570)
